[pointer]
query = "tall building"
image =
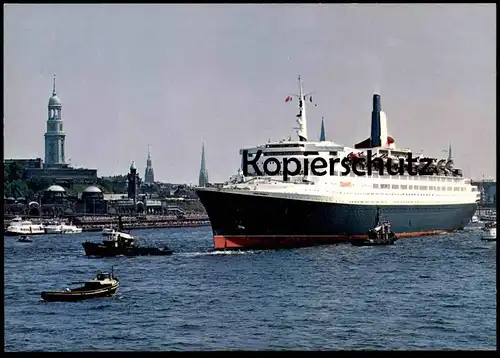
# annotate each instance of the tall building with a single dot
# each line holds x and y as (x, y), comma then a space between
(55, 167)
(54, 136)
(322, 136)
(203, 179)
(133, 182)
(149, 174)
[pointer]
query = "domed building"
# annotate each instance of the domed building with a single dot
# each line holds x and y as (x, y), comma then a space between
(13, 206)
(53, 200)
(91, 201)
(54, 194)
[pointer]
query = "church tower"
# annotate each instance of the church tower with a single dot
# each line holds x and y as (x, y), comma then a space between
(54, 136)
(322, 136)
(203, 178)
(149, 175)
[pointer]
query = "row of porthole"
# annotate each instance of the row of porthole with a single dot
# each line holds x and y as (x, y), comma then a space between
(417, 187)
(350, 193)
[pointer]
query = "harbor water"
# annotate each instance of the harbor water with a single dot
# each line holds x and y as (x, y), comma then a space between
(436, 292)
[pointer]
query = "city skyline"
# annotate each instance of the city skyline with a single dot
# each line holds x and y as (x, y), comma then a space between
(177, 76)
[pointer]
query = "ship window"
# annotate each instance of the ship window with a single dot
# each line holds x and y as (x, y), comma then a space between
(284, 145)
(395, 186)
(404, 186)
(443, 188)
(456, 189)
(423, 187)
(333, 153)
(375, 186)
(410, 187)
(449, 188)
(384, 186)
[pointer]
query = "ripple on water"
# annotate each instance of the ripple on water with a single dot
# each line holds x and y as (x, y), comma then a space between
(330, 297)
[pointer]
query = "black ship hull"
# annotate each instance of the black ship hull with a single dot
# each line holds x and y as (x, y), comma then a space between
(246, 220)
(79, 294)
(100, 250)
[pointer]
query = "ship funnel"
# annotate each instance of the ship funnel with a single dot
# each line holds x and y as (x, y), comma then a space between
(376, 130)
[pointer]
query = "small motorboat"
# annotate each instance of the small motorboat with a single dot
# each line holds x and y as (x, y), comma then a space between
(25, 238)
(102, 285)
(381, 234)
(489, 232)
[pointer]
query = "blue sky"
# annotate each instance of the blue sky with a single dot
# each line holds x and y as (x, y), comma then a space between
(174, 76)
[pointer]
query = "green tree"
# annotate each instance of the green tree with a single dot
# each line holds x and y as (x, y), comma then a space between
(17, 188)
(38, 184)
(15, 172)
(106, 186)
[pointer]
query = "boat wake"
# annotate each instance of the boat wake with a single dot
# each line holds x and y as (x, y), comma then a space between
(218, 252)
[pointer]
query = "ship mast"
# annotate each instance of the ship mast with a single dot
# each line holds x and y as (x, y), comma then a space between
(301, 117)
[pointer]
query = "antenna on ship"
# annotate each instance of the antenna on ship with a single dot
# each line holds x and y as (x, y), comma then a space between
(301, 117)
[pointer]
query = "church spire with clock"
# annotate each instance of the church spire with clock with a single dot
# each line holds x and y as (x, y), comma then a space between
(54, 136)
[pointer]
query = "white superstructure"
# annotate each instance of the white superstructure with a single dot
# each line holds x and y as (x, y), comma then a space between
(351, 189)
(446, 185)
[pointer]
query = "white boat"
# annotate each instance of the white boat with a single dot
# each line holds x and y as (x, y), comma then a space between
(18, 226)
(56, 227)
(70, 229)
(53, 227)
(490, 232)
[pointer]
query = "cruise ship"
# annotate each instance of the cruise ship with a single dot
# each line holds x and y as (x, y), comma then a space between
(255, 210)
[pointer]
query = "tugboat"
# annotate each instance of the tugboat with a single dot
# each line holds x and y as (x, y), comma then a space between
(118, 243)
(102, 285)
(381, 234)
(489, 232)
(25, 238)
